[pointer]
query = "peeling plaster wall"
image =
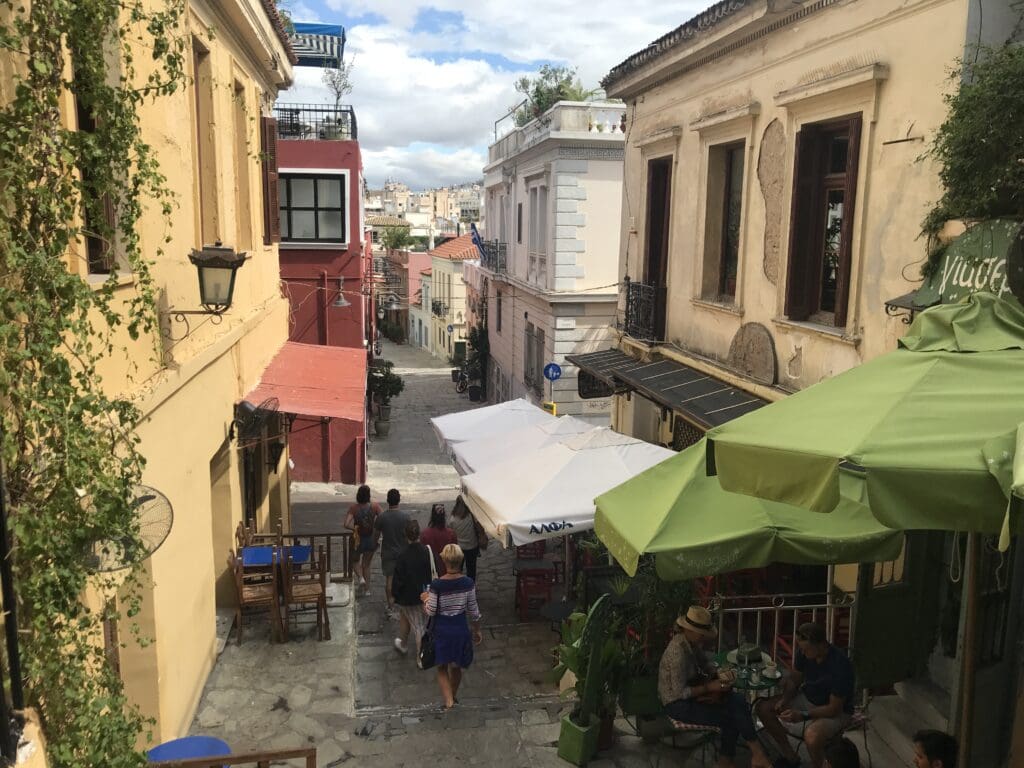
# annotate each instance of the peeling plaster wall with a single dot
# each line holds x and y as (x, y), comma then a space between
(916, 42)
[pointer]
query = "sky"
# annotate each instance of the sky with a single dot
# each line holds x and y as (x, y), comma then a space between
(432, 77)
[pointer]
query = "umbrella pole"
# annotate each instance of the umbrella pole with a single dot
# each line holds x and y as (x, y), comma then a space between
(968, 663)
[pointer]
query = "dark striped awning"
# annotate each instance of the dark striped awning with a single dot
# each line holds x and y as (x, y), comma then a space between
(701, 398)
(319, 45)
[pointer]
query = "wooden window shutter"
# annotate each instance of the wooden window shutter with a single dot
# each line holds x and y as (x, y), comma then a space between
(271, 203)
(800, 281)
(846, 235)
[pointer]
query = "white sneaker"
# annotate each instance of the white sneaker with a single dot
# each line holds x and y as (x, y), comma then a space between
(400, 646)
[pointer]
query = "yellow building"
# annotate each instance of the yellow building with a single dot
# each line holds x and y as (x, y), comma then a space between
(208, 456)
(448, 297)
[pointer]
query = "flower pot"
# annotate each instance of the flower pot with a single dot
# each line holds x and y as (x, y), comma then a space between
(381, 427)
(606, 732)
(455, 374)
(577, 744)
(639, 696)
(474, 392)
(384, 412)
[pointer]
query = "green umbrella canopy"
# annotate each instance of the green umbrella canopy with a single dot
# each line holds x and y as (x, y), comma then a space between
(694, 528)
(915, 420)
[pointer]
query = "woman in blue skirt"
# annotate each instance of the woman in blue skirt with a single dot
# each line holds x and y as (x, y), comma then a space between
(451, 600)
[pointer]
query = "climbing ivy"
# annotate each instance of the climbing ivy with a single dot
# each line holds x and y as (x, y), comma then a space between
(980, 145)
(69, 448)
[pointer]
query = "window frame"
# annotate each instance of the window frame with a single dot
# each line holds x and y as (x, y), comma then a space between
(287, 175)
(812, 183)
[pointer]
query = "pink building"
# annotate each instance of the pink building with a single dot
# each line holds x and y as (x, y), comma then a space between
(326, 272)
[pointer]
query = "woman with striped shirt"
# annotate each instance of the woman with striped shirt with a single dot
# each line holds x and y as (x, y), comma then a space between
(451, 599)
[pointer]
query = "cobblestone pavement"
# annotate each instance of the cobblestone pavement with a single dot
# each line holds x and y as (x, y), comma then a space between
(358, 700)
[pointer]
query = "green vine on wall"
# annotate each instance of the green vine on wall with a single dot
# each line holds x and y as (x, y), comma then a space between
(980, 145)
(69, 449)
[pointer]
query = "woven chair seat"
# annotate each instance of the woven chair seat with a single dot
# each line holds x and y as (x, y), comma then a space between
(252, 593)
(311, 591)
(679, 725)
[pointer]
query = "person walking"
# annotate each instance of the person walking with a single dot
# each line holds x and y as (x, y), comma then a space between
(451, 600)
(468, 533)
(360, 518)
(414, 571)
(389, 527)
(438, 535)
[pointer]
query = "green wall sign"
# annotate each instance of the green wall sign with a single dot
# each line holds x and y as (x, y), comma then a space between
(987, 257)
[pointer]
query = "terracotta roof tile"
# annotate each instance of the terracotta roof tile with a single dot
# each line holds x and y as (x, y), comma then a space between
(386, 221)
(277, 22)
(459, 249)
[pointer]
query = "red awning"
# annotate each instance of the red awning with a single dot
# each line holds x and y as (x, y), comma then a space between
(313, 380)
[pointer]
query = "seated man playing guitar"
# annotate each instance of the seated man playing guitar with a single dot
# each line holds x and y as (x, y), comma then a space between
(691, 691)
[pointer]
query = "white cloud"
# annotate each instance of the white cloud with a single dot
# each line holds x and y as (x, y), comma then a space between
(426, 122)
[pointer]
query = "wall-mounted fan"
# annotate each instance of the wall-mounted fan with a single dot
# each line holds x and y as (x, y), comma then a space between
(154, 517)
(250, 419)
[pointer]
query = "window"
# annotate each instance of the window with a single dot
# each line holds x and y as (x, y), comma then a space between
(529, 355)
(98, 219)
(655, 274)
(821, 223)
(243, 210)
(538, 361)
(497, 321)
(312, 208)
(519, 223)
(538, 247)
(722, 222)
(206, 154)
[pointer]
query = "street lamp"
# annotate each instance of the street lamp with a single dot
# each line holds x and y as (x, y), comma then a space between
(217, 265)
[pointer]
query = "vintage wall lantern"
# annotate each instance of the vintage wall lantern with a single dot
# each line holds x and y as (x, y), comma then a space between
(217, 265)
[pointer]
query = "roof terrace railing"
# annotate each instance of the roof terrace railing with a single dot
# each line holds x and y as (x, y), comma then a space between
(316, 121)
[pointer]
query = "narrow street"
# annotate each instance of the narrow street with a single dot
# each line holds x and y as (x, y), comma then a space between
(354, 697)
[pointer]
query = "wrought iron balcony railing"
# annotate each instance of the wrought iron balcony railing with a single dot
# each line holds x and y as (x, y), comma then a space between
(645, 311)
(439, 308)
(315, 121)
(495, 256)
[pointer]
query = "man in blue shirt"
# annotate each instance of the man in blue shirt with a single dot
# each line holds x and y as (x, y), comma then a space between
(817, 701)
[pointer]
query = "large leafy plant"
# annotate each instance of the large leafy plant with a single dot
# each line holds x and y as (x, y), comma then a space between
(980, 145)
(69, 447)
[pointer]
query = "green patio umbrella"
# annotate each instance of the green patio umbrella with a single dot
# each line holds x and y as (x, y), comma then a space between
(694, 528)
(914, 421)
(1005, 458)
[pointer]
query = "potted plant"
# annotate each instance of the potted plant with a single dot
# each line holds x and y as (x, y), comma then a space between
(474, 374)
(383, 384)
(581, 653)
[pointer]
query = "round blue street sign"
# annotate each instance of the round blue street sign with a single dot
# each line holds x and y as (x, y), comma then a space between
(552, 371)
(451, 328)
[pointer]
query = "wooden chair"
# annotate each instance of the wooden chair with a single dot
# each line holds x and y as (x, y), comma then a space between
(243, 536)
(306, 586)
(256, 591)
(532, 586)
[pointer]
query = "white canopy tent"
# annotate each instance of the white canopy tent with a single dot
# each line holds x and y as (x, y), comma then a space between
(477, 455)
(492, 421)
(550, 492)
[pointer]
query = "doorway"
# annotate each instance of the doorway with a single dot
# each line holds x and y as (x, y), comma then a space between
(659, 207)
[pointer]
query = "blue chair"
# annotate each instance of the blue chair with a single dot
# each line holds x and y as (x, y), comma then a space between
(189, 746)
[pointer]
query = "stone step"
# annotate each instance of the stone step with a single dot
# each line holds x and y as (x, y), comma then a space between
(929, 701)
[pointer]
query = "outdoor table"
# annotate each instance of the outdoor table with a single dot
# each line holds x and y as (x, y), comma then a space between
(261, 557)
(189, 746)
(540, 564)
(762, 688)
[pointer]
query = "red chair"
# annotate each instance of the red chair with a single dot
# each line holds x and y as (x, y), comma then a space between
(532, 586)
(534, 551)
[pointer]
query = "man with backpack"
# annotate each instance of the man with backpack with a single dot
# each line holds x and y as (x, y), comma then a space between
(360, 518)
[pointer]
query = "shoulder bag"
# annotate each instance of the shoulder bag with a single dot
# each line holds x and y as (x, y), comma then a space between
(481, 535)
(426, 658)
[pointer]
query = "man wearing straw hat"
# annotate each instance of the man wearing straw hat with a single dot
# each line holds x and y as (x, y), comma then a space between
(693, 692)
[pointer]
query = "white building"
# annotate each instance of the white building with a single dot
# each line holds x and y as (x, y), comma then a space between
(553, 200)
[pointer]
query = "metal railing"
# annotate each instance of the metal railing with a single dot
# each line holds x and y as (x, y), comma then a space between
(641, 318)
(258, 759)
(439, 308)
(773, 625)
(338, 546)
(495, 256)
(315, 121)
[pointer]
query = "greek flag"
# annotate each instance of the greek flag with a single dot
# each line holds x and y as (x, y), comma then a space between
(319, 45)
(477, 240)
